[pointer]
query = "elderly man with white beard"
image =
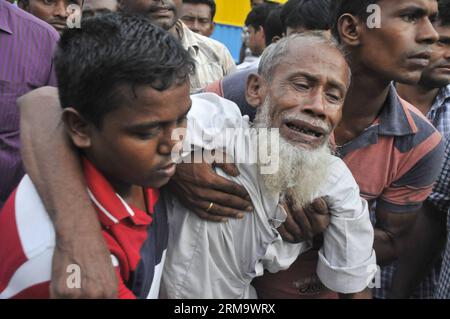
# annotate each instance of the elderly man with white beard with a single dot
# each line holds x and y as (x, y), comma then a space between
(300, 91)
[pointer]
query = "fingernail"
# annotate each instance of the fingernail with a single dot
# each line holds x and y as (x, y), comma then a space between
(250, 208)
(240, 216)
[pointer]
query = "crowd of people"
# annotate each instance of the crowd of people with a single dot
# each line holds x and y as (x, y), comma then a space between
(99, 124)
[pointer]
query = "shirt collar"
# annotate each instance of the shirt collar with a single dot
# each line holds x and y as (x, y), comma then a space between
(4, 25)
(111, 208)
(189, 40)
(394, 119)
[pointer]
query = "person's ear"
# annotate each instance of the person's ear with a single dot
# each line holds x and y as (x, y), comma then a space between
(213, 27)
(275, 39)
(77, 127)
(255, 90)
(350, 29)
(262, 35)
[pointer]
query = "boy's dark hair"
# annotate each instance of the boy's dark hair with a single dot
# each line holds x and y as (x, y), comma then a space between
(444, 12)
(311, 15)
(357, 8)
(273, 26)
(210, 3)
(286, 10)
(258, 16)
(112, 50)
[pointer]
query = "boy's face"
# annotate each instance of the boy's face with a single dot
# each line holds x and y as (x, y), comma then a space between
(134, 144)
(400, 49)
(54, 12)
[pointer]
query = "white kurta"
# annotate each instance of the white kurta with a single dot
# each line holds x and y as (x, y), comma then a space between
(219, 260)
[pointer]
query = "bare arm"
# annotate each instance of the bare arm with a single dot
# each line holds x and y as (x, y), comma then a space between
(54, 167)
(391, 231)
(423, 245)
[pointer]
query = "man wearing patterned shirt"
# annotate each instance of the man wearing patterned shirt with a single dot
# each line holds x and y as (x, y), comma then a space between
(441, 198)
(432, 97)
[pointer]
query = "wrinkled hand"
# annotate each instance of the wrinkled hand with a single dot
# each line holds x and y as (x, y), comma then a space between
(198, 185)
(304, 223)
(98, 277)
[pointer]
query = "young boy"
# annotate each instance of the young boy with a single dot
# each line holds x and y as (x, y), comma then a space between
(123, 85)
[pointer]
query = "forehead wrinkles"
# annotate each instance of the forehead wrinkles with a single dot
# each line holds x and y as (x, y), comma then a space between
(321, 60)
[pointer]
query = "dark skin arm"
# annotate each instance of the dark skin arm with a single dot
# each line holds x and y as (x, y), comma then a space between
(422, 248)
(391, 231)
(54, 166)
(197, 185)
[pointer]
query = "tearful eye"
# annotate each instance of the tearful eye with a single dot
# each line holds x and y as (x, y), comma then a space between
(301, 86)
(333, 98)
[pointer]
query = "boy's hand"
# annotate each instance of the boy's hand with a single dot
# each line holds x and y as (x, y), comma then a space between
(197, 186)
(304, 223)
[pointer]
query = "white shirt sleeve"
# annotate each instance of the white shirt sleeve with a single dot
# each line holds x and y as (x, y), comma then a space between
(347, 260)
(208, 120)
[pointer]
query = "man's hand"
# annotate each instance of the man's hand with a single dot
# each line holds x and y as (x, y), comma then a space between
(304, 223)
(97, 277)
(198, 185)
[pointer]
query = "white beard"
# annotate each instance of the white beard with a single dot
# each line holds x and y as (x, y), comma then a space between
(301, 172)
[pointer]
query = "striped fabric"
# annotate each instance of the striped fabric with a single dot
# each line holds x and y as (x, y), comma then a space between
(439, 113)
(26, 48)
(213, 61)
(440, 198)
(395, 163)
(137, 241)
